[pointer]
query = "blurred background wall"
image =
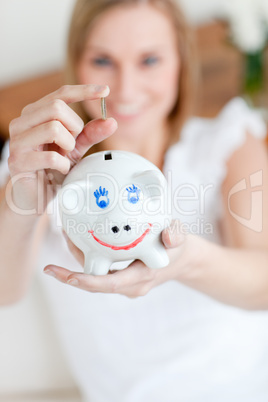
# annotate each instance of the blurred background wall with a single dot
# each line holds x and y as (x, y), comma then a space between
(32, 37)
(33, 33)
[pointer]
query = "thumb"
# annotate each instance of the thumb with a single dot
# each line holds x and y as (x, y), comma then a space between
(94, 132)
(173, 236)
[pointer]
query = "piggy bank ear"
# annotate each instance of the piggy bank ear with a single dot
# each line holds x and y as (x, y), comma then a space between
(72, 197)
(151, 178)
(153, 182)
(154, 186)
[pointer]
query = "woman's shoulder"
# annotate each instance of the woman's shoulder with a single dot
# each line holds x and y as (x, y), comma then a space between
(229, 126)
(206, 145)
(215, 139)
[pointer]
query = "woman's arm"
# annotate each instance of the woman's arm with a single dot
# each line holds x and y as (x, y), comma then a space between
(20, 239)
(245, 227)
(235, 273)
(45, 142)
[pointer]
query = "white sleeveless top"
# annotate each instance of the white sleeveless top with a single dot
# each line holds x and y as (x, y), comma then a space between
(174, 344)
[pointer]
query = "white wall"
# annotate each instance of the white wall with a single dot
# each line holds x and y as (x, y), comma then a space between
(32, 37)
(202, 11)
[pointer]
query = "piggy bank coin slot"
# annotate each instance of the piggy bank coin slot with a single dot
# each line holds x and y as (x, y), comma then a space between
(108, 156)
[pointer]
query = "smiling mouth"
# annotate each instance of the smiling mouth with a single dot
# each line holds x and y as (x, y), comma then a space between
(127, 110)
(128, 246)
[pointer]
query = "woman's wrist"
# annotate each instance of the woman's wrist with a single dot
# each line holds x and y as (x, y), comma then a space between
(23, 222)
(194, 259)
(236, 277)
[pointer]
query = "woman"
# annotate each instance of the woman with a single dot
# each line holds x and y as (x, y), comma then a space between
(190, 337)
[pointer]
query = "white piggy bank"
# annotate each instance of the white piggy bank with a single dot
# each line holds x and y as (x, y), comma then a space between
(113, 207)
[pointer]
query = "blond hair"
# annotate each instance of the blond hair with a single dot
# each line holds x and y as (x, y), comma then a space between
(85, 14)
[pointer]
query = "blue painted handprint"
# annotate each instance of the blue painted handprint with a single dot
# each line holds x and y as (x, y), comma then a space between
(102, 199)
(133, 194)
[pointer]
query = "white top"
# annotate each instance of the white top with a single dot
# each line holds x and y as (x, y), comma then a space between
(174, 344)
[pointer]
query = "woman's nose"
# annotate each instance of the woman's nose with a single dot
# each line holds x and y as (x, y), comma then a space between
(127, 83)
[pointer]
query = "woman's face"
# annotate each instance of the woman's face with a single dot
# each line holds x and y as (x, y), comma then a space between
(133, 50)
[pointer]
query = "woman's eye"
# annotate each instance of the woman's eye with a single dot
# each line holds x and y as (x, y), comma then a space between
(151, 60)
(102, 61)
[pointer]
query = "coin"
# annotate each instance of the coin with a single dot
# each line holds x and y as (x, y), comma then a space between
(103, 109)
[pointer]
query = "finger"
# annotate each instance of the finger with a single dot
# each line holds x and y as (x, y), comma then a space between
(57, 272)
(70, 94)
(77, 93)
(103, 283)
(53, 110)
(52, 132)
(91, 283)
(83, 281)
(127, 282)
(94, 132)
(173, 236)
(120, 282)
(34, 161)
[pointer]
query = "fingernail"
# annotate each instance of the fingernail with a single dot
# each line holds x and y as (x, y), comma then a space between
(49, 272)
(73, 282)
(104, 89)
(168, 234)
(112, 119)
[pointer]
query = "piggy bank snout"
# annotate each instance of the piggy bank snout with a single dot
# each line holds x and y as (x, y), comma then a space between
(116, 229)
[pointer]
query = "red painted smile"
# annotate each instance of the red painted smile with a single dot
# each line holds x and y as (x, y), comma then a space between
(128, 246)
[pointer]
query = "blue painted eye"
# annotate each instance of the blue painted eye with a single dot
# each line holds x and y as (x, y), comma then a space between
(133, 195)
(101, 196)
